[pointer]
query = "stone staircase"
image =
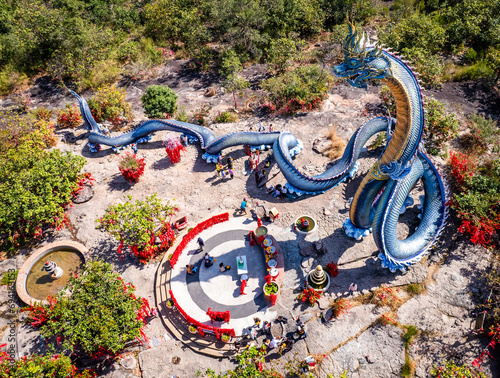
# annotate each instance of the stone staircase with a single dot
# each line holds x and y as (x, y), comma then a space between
(175, 322)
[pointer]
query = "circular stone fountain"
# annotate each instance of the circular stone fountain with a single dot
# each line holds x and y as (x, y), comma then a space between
(48, 270)
(318, 279)
(305, 224)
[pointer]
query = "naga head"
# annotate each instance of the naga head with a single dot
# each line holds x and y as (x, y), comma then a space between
(362, 61)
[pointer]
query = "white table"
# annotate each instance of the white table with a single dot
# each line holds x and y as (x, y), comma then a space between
(242, 269)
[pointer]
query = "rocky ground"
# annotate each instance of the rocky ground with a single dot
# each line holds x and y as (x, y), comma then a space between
(358, 341)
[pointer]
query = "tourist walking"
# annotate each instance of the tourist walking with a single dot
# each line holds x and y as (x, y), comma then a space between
(201, 244)
(244, 205)
(218, 166)
(353, 288)
(262, 128)
(231, 173)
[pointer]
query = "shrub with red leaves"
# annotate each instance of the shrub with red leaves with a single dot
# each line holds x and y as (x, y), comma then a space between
(131, 167)
(310, 296)
(69, 117)
(477, 198)
(332, 269)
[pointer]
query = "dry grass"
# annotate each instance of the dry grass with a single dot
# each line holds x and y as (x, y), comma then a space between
(338, 145)
(387, 296)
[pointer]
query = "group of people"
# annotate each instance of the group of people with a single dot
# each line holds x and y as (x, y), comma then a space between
(208, 260)
(281, 343)
(221, 171)
(262, 128)
(277, 191)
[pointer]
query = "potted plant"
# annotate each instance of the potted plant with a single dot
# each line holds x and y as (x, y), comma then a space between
(193, 329)
(170, 303)
(225, 337)
(271, 288)
(131, 167)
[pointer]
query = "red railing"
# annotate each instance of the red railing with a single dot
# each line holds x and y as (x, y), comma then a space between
(202, 327)
(195, 231)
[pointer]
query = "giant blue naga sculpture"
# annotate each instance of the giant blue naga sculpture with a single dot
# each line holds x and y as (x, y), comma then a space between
(385, 189)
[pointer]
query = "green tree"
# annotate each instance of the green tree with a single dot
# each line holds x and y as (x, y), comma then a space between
(417, 31)
(97, 312)
(175, 20)
(282, 52)
(230, 68)
(136, 225)
(35, 187)
(472, 23)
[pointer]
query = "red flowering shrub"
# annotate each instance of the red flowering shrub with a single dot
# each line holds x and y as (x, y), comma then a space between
(57, 366)
(389, 318)
(137, 226)
(310, 296)
(477, 198)
(69, 117)
(332, 269)
(131, 167)
(173, 148)
(341, 306)
(387, 296)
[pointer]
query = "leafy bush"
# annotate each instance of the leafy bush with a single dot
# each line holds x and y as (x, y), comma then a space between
(69, 117)
(108, 104)
(200, 115)
(35, 365)
(429, 67)
(128, 51)
(230, 63)
(131, 167)
(42, 113)
(226, 117)
(181, 114)
(97, 313)
(35, 187)
(281, 53)
(452, 370)
(9, 277)
(441, 125)
(136, 226)
(102, 73)
(158, 101)
(10, 80)
(166, 20)
(417, 31)
(18, 128)
(302, 89)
